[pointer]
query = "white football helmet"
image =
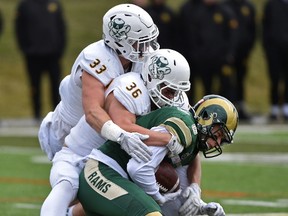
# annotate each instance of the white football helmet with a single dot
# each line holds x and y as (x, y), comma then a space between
(130, 31)
(166, 75)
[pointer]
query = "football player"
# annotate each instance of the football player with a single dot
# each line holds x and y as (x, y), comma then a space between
(105, 182)
(166, 76)
(129, 37)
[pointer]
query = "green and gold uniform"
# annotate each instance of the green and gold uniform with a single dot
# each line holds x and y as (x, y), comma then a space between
(103, 191)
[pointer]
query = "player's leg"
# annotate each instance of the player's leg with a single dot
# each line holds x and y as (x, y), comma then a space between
(58, 197)
(75, 210)
(104, 191)
(52, 132)
(64, 178)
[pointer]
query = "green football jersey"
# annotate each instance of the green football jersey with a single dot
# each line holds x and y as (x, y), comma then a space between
(176, 121)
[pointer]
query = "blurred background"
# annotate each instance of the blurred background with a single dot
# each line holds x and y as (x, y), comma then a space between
(84, 26)
(251, 175)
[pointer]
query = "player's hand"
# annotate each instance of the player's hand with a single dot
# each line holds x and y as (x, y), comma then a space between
(132, 143)
(174, 146)
(193, 203)
(212, 209)
(163, 198)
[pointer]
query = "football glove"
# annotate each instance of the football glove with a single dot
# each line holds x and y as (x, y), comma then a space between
(212, 209)
(163, 198)
(193, 203)
(132, 143)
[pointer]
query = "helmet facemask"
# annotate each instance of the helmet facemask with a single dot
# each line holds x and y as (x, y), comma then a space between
(206, 132)
(166, 94)
(141, 48)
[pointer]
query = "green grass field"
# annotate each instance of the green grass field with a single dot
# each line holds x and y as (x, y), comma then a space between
(249, 185)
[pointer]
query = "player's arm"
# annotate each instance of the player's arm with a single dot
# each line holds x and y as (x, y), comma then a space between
(194, 171)
(143, 174)
(126, 120)
(193, 204)
(93, 101)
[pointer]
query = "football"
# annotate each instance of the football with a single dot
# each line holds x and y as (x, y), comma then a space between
(167, 178)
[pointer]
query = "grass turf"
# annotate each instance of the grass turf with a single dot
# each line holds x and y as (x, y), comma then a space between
(24, 181)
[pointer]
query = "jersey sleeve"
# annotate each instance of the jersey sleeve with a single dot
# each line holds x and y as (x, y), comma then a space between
(131, 92)
(101, 62)
(180, 128)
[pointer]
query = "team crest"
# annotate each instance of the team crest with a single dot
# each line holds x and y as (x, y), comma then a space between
(118, 30)
(159, 67)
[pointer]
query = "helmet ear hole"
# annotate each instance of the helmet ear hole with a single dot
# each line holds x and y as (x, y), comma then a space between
(118, 44)
(149, 78)
(205, 115)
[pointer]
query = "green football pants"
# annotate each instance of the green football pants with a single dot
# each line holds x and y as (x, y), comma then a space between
(104, 192)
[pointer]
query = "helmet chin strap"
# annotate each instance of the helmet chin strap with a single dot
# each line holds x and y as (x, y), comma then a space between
(206, 150)
(203, 145)
(213, 152)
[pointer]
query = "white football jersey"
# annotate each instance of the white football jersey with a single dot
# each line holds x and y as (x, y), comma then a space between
(130, 91)
(102, 63)
(98, 60)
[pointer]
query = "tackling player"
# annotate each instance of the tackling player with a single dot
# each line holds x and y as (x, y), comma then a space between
(166, 75)
(105, 182)
(129, 37)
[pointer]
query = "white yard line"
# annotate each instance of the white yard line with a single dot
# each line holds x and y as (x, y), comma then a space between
(20, 150)
(280, 203)
(19, 131)
(26, 206)
(271, 158)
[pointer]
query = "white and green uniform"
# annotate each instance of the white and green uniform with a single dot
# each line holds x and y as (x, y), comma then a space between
(105, 183)
(68, 162)
(103, 64)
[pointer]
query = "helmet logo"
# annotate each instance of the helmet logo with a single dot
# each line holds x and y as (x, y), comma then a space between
(207, 118)
(118, 30)
(159, 67)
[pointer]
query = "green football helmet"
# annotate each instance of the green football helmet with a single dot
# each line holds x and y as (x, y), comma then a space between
(214, 110)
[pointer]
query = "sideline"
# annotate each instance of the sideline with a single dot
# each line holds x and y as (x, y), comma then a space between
(256, 158)
(30, 127)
